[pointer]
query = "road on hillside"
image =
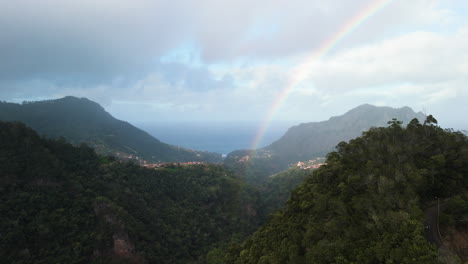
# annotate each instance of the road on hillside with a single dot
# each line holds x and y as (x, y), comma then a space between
(431, 231)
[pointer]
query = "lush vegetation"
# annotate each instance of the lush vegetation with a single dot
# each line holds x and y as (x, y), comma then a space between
(80, 120)
(310, 140)
(65, 204)
(278, 188)
(273, 190)
(61, 203)
(367, 205)
(257, 169)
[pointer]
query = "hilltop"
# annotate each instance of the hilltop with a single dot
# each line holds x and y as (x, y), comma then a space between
(307, 141)
(80, 120)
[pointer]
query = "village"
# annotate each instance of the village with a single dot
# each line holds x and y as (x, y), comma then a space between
(304, 165)
(146, 164)
(168, 164)
(310, 164)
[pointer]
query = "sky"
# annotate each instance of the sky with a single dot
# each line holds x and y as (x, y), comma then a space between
(238, 60)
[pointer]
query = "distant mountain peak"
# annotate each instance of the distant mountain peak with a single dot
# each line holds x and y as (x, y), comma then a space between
(71, 97)
(69, 102)
(367, 107)
(315, 139)
(81, 120)
(364, 106)
(78, 100)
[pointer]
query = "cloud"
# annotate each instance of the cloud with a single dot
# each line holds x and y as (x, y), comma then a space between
(419, 69)
(231, 59)
(95, 42)
(419, 57)
(85, 42)
(302, 25)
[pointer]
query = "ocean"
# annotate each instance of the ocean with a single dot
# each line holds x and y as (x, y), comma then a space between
(219, 137)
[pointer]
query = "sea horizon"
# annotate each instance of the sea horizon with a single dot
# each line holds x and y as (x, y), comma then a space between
(216, 136)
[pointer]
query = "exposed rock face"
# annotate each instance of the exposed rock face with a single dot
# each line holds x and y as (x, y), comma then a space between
(122, 245)
(456, 241)
(123, 249)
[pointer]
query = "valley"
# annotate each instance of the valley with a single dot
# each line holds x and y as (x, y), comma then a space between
(233, 132)
(120, 207)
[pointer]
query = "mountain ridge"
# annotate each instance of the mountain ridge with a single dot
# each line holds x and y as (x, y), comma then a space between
(315, 139)
(379, 117)
(80, 120)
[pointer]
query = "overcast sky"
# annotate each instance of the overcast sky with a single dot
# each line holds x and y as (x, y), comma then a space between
(153, 60)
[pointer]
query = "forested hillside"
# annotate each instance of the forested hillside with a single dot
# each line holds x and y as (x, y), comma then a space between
(80, 120)
(278, 187)
(65, 204)
(369, 203)
(311, 140)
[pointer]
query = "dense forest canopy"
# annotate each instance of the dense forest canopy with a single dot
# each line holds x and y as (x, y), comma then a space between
(65, 204)
(367, 205)
(61, 203)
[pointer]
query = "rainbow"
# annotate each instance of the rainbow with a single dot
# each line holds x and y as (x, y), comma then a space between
(300, 72)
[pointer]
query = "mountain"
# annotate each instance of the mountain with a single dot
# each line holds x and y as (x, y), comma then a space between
(61, 203)
(465, 132)
(80, 120)
(310, 140)
(318, 138)
(388, 196)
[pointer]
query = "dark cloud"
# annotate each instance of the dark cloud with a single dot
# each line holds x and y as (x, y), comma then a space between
(82, 42)
(90, 42)
(94, 42)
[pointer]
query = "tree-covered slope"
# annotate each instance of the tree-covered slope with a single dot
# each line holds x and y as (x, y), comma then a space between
(310, 140)
(367, 205)
(278, 187)
(80, 120)
(65, 204)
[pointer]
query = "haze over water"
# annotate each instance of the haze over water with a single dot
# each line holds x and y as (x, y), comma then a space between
(219, 137)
